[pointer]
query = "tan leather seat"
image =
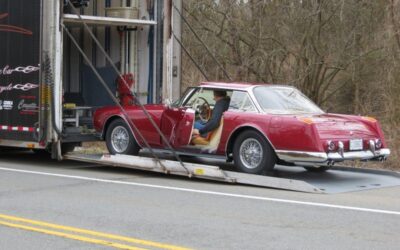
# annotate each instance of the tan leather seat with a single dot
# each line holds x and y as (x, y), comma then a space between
(212, 141)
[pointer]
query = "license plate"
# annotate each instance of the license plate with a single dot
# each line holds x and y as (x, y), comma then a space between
(356, 144)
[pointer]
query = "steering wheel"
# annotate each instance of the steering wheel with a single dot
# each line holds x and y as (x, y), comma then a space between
(202, 108)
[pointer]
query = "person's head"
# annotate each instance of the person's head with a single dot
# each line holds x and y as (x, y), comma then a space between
(219, 94)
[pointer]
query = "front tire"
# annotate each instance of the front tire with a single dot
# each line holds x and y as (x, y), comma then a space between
(119, 139)
(253, 154)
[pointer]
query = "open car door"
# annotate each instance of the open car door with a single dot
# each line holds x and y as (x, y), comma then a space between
(177, 125)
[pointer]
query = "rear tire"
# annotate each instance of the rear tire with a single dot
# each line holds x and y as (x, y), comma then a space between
(119, 139)
(253, 154)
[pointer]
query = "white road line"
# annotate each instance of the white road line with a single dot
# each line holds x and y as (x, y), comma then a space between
(305, 203)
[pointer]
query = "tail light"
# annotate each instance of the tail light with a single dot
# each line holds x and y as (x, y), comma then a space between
(331, 145)
(378, 143)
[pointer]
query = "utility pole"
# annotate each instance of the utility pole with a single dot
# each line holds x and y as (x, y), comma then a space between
(176, 51)
(166, 83)
(171, 52)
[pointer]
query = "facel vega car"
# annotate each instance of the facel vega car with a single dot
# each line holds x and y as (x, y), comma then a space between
(264, 125)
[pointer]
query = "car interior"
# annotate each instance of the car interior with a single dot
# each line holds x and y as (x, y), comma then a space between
(202, 101)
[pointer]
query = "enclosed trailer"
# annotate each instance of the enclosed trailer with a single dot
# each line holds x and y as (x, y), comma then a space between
(48, 89)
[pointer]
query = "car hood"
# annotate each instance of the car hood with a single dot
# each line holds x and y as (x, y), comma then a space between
(332, 126)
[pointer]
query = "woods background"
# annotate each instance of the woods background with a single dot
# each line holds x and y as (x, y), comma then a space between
(344, 54)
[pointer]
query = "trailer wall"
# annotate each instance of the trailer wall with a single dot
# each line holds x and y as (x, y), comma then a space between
(20, 42)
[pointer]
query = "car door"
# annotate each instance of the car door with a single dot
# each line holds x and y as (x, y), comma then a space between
(177, 121)
(177, 125)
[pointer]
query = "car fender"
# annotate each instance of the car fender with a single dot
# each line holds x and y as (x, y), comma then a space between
(233, 135)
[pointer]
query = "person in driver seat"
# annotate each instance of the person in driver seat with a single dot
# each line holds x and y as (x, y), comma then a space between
(221, 105)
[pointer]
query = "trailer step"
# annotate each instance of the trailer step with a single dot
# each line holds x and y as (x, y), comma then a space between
(195, 170)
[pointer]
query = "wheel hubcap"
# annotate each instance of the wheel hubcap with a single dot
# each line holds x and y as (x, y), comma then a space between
(251, 153)
(120, 139)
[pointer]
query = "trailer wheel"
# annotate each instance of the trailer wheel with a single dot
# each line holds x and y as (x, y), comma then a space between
(253, 154)
(119, 139)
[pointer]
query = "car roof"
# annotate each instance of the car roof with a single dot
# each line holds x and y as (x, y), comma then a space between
(234, 85)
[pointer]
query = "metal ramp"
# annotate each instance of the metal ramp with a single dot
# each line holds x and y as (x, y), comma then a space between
(198, 171)
(336, 180)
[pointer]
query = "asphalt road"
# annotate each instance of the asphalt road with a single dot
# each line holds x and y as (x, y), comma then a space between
(46, 204)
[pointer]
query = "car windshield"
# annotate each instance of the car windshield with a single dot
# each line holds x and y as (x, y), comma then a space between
(179, 102)
(284, 100)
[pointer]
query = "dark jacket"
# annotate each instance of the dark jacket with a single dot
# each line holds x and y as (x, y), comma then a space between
(220, 107)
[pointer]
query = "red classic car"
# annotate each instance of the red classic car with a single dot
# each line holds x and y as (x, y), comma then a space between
(264, 125)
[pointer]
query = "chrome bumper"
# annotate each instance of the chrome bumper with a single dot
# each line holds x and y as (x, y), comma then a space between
(321, 157)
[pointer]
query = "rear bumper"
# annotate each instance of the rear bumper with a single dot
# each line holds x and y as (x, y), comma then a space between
(323, 158)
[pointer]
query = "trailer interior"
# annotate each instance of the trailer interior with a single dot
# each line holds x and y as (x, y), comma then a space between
(127, 32)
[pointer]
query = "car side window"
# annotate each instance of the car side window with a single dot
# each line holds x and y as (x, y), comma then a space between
(240, 101)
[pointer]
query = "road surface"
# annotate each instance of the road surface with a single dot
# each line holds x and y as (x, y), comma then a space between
(45, 204)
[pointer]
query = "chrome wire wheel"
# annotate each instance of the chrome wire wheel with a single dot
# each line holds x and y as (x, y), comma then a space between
(251, 153)
(120, 139)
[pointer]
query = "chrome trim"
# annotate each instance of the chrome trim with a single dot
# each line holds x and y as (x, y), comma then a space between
(300, 156)
(372, 146)
(330, 144)
(340, 148)
(322, 157)
(254, 99)
(226, 87)
(190, 91)
(359, 155)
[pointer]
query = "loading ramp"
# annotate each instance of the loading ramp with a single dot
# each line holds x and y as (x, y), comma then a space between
(336, 180)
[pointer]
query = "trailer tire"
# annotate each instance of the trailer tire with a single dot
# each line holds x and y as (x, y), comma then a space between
(119, 139)
(253, 154)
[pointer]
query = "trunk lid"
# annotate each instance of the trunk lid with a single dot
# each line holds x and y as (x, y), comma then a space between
(330, 126)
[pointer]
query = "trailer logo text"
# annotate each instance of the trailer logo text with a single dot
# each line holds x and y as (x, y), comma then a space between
(27, 108)
(23, 87)
(12, 28)
(25, 70)
(6, 105)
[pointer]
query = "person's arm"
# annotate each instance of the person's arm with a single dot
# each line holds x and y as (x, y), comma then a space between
(213, 123)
